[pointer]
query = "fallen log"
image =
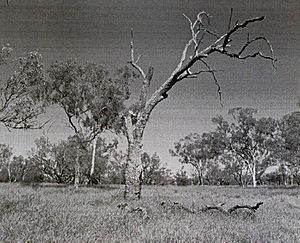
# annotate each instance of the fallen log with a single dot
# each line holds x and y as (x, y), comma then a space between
(251, 208)
(206, 208)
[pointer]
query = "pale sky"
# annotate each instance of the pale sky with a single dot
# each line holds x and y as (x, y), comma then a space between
(99, 31)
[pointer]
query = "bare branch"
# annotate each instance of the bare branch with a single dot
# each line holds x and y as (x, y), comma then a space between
(215, 79)
(230, 17)
(239, 26)
(146, 77)
(190, 74)
(134, 62)
(211, 33)
(252, 208)
(183, 68)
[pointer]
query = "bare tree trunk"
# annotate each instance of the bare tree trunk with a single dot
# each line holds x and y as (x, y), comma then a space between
(93, 157)
(133, 173)
(134, 167)
(77, 169)
(200, 177)
(9, 172)
(292, 178)
(254, 175)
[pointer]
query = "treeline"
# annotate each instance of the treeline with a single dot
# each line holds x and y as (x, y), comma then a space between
(244, 150)
(94, 100)
(56, 162)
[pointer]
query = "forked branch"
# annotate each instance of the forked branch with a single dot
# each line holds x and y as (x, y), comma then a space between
(221, 45)
(183, 69)
(146, 77)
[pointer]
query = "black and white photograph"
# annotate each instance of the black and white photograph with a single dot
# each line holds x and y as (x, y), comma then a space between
(149, 121)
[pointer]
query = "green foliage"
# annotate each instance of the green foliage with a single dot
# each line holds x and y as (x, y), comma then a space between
(199, 151)
(250, 143)
(5, 154)
(89, 95)
(21, 95)
(181, 178)
(153, 171)
(5, 161)
(56, 162)
(289, 151)
(5, 54)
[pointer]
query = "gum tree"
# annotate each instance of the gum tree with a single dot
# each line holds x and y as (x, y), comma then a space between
(90, 98)
(194, 53)
(199, 151)
(289, 152)
(250, 142)
(20, 93)
(5, 159)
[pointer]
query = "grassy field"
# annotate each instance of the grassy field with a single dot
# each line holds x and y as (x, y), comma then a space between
(52, 214)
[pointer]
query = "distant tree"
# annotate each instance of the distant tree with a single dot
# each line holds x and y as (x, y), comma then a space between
(289, 152)
(153, 171)
(216, 174)
(235, 168)
(250, 142)
(198, 151)
(18, 168)
(56, 161)
(181, 178)
(5, 159)
(116, 168)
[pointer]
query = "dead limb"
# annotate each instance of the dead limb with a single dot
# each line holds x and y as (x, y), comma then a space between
(220, 208)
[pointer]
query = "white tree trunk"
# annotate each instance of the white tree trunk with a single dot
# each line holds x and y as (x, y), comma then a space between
(77, 170)
(254, 174)
(200, 177)
(292, 179)
(93, 157)
(9, 172)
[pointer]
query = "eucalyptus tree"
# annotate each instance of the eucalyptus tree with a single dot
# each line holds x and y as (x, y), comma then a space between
(289, 152)
(21, 92)
(194, 52)
(6, 159)
(154, 173)
(90, 97)
(250, 142)
(198, 151)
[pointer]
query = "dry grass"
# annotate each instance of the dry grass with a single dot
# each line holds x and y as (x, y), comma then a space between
(50, 214)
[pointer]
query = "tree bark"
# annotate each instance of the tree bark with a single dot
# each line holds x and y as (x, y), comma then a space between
(133, 173)
(134, 167)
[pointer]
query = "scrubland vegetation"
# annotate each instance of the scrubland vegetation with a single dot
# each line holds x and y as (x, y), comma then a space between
(63, 214)
(47, 198)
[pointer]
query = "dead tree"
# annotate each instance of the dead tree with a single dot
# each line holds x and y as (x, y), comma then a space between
(138, 115)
